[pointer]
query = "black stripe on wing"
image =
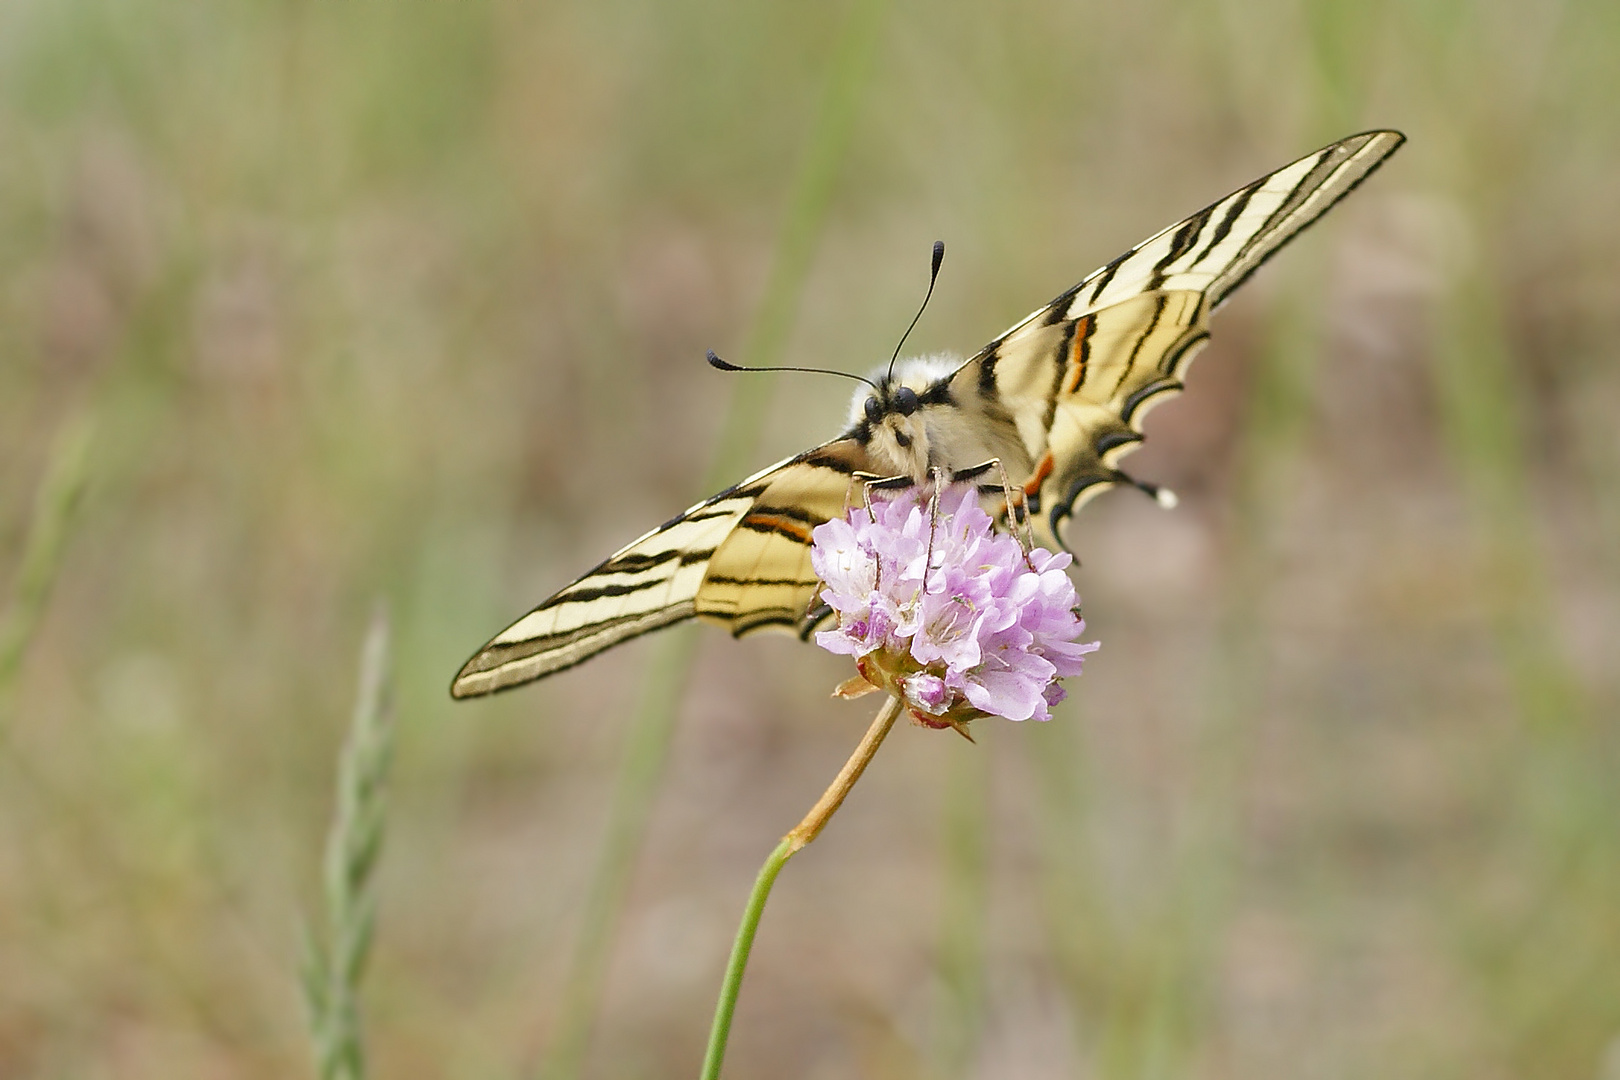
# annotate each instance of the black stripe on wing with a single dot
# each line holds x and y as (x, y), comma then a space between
(1249, 226)
(1144, 315)
(684, 568)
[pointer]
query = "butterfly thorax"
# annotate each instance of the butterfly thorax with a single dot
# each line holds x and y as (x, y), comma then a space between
(916, 423)
(899, 446)
(894, 421)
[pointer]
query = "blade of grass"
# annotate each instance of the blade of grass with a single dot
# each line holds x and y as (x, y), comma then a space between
(1482, 429)
(334, 967)
(1556, 772)
(651, 727)
(48, 810)
(55, 503)
(1138, 980)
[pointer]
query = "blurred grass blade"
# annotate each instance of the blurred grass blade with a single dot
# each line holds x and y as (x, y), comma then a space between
(806, 211)
(55, 504)
(647, 745)
(647, 741)
(334, 967)
(1479, 399)
(1138, 979)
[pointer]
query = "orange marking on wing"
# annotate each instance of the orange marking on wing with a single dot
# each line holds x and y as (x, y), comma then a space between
(1043, 469)
(780, 523)
(1076, 361)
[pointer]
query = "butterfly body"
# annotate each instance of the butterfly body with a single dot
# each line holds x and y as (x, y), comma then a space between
(1055, 402)
(904, 425)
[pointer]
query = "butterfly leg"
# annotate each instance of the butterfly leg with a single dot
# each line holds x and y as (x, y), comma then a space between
(857, 481)
(871, 482)
(1017, 509)
(1017, 518)
(940, 479)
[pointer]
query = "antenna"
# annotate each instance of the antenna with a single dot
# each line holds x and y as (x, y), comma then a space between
(933, 276)
(724, 365)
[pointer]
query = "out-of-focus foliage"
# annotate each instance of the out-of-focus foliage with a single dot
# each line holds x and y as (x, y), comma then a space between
(337, 948)
(412, 300)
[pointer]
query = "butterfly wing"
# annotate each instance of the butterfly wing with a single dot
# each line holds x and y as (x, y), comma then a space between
(1073, 381)
(1059, 398)
(741, 558)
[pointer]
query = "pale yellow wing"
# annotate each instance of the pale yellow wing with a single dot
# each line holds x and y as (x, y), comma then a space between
(1069, 385)
(1076, 378)
(741, 558)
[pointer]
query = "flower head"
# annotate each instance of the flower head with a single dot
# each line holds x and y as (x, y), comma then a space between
(949, 615)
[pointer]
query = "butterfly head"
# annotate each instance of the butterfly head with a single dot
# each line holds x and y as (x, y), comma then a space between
(891, 418)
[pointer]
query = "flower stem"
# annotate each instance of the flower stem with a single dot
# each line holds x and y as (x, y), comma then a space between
(801, 834)
(831, 799)
(721, 1031)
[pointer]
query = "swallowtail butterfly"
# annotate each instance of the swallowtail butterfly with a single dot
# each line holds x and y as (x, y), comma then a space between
(1057, 400)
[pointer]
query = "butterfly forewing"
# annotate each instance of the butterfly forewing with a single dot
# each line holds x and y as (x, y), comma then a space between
(761, 576)
(741, 558)
(1215, 250)
(1077, 377)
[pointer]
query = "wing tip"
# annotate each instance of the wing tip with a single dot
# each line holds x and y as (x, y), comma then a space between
(467, 683)
(471, 682)
(486, 674)
(1392, 141)
(1374, 133)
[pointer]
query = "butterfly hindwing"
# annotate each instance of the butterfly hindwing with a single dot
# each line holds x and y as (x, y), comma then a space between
(760, 576)
(1076, 378)
(741, 558)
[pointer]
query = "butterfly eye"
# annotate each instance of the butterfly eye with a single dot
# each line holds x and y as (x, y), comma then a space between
(905, 399)
(874, 410)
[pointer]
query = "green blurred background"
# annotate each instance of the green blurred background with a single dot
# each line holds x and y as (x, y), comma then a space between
(410, 300)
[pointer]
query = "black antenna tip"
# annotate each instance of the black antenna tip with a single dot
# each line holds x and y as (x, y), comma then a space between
(716, 362)
(933, 276)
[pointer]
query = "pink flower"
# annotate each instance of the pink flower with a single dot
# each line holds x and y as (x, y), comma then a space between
(945, 612)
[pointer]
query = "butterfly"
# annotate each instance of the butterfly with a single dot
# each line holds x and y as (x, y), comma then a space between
(1054, 403)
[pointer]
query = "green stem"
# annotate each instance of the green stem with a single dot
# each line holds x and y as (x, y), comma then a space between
(55, 504)
(801, 835)
(721, 1031)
